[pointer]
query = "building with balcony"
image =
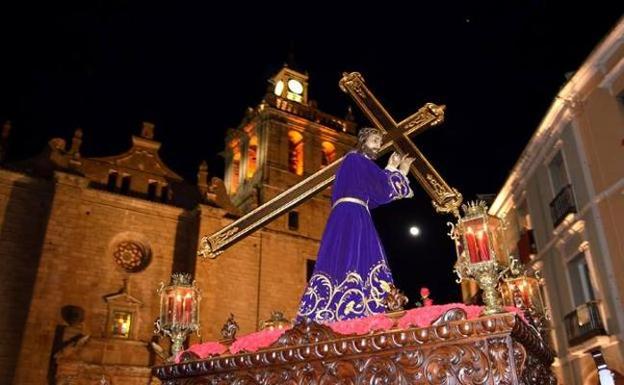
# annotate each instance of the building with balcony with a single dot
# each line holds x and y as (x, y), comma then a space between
(563, 203)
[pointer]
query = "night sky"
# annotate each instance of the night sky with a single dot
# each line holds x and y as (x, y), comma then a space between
(106, 66)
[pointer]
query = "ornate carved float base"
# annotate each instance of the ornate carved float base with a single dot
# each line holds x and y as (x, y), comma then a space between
(498, 349)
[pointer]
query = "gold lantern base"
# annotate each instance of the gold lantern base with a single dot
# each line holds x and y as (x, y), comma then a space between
(177, 344)
(487, 275)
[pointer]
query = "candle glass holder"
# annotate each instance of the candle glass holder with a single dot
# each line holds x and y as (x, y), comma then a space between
(523, 290)
(179, 310)
(481, 252)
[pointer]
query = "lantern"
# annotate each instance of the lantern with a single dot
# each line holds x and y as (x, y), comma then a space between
(277, 321)
(479, 244)
(179, 310)
(523, 291)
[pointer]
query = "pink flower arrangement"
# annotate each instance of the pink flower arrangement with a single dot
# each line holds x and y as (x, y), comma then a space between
(424, 316)
(424, 292)
(418, 317)
(362, 326)
(258, 340)
(204, 350)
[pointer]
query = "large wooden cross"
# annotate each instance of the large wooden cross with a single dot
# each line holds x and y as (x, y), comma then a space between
(445, 198)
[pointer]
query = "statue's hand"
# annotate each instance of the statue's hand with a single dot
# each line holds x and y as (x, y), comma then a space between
(394, 161)
(405, 164)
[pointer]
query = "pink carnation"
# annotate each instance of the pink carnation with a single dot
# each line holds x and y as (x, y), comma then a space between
(255, 341)
(205, 350)
(362, 326)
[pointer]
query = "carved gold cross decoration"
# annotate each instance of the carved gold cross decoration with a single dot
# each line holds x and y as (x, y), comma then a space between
(445, 198)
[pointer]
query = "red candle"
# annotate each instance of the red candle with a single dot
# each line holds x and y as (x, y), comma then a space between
(178, 308)
(526, 293)
(188, 308)
(484, 248)
(472, 245)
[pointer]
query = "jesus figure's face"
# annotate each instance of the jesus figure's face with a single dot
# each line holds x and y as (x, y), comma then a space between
(372, 145)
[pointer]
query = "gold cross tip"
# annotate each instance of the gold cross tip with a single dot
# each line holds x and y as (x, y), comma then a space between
(349, 77)
(436, 110)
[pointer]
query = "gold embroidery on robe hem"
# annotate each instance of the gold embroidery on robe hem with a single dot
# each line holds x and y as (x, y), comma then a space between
(325, 300)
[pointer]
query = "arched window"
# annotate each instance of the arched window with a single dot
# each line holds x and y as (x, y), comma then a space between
(235, 173)
(295, 152)
(252, 156)
(329, 153)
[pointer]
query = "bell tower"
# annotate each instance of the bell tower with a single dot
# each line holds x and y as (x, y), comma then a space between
(281, 141)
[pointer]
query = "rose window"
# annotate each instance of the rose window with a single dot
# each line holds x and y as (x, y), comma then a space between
(131, 256)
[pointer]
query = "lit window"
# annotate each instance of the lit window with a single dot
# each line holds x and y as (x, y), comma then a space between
(252, 156)
(235, 170)
(329, 153)
(295, 152)
(121, 324)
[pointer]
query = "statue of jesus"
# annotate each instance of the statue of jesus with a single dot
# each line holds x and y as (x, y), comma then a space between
(351, 276)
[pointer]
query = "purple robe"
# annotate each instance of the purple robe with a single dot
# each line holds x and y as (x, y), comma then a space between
(351, 276)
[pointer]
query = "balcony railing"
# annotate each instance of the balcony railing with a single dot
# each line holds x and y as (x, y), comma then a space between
(562, 205)
(584, 323)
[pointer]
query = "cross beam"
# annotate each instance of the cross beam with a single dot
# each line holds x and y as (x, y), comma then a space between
(445, 199)
(429, 115)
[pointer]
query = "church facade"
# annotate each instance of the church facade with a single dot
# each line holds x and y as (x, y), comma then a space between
(86, 241)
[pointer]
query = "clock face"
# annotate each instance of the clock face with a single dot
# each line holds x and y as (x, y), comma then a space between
(279, 88)
(295, 86)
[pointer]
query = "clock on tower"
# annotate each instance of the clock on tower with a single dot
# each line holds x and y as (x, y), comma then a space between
(291, 85)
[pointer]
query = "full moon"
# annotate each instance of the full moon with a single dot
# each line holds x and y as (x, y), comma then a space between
(415, 231)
